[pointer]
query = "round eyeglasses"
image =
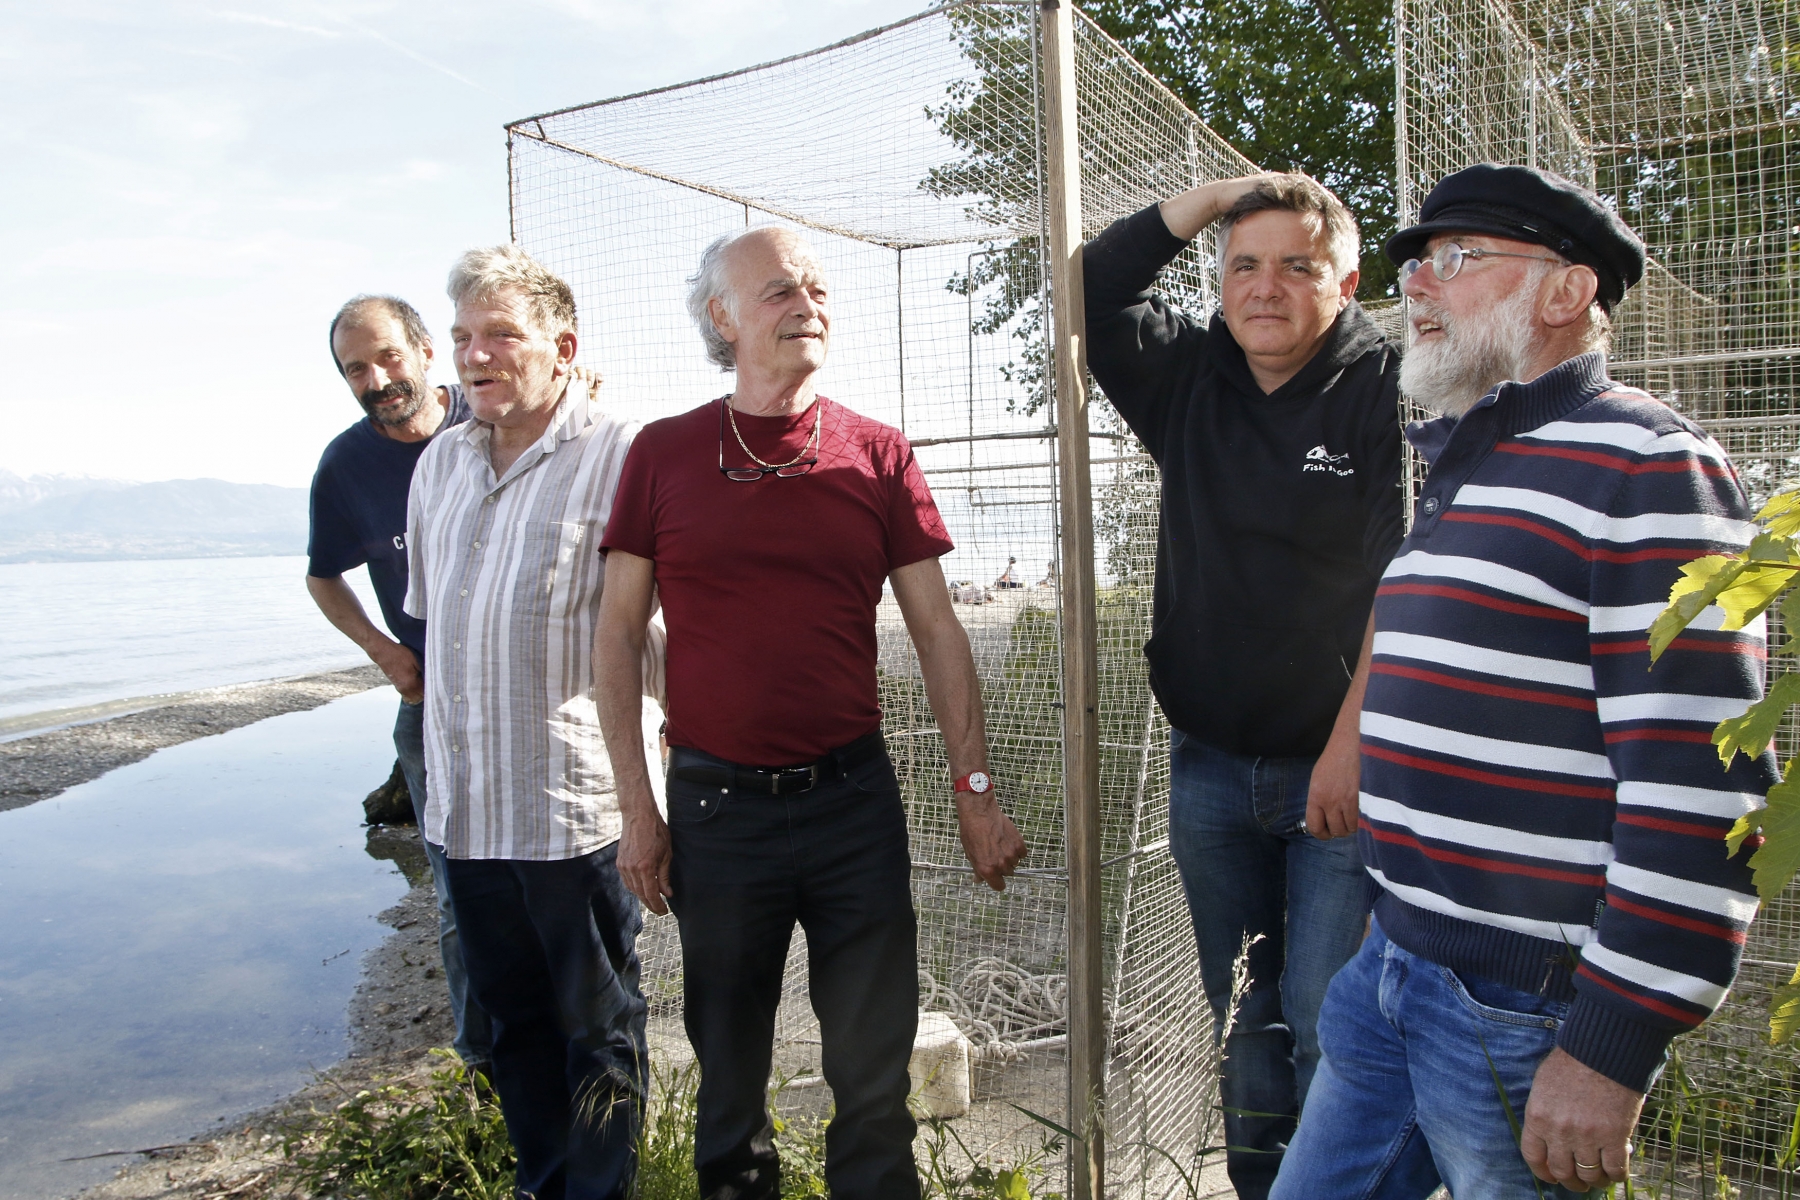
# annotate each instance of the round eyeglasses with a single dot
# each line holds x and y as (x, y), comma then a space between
(1448, 259)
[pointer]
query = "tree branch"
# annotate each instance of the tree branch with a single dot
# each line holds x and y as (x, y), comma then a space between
(1323, 7)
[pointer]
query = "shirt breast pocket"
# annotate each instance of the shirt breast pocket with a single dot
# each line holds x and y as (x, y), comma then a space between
(552, 565)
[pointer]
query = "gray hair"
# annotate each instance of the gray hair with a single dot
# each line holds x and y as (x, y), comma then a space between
(711, 283)
(355, 315)
(1599, 332)
(485, 272)
(1308, 197)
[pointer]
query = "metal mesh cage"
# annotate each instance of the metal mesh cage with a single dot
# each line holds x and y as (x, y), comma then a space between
(1685, 115)
(911, 158)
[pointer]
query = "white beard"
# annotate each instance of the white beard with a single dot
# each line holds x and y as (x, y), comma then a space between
(1473, 356)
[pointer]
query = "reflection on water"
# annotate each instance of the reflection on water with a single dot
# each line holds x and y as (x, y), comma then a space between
(400, 845)
(181, 937)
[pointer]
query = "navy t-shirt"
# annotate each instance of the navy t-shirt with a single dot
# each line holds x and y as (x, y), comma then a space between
(359, 513)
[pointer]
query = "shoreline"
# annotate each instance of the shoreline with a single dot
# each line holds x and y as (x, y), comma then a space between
(37, 766)
(399, 1010)
(398, 1014)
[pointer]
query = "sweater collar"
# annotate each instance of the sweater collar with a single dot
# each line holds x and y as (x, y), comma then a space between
(1351, 336)
(1522, 406)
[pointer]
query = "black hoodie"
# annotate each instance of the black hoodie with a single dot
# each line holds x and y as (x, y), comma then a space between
(1279, 511)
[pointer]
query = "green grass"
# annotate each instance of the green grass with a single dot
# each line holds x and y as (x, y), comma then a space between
(445, 1140)
(666, 1144)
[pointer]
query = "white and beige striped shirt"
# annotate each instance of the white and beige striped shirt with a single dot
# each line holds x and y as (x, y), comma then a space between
(507, 575)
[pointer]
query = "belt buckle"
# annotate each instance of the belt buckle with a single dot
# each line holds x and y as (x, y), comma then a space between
(811, 774)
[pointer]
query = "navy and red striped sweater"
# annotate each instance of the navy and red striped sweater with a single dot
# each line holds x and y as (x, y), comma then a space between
(1540, 805)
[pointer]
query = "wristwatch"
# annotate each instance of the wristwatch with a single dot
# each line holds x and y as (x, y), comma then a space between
(975, 781)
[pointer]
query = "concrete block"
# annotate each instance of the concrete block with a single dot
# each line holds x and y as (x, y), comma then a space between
(940, 1066)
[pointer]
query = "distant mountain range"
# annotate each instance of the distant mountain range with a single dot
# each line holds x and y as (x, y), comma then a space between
(67, 518)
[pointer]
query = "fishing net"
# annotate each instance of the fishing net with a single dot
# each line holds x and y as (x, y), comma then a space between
(1685, 115)
(910, 158)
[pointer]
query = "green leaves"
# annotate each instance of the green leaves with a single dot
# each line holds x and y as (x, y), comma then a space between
(1302, 85)
(1771, 565)
(446, 1139)
(1776, 861)
(1743, 586)
(1700, 584)
(1782, 514)
(952, 1171)
(1784, 1018)
(1751, 733)
(1011, 1185)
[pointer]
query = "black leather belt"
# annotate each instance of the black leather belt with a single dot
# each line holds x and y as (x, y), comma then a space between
(692, 766)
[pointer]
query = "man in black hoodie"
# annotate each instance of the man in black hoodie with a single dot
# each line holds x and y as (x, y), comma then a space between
(1276, 431)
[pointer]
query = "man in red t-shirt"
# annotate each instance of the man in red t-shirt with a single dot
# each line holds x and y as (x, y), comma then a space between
(766, 522)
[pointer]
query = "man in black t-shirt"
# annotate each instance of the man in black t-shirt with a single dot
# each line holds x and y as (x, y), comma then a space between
(359, 516)
(1275, 428)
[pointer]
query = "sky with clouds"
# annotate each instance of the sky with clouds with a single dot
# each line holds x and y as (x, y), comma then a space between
(190, 190)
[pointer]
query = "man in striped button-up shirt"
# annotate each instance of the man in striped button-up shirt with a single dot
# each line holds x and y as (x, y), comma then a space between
(505, 518)
(1541, 807)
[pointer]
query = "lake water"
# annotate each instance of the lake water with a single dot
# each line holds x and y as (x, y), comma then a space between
(182, 937)
(80, 634)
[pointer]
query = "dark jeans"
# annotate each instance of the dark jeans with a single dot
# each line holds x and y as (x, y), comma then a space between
(1237, 830)
(551, 949)
(745, 868)
(474, 1037)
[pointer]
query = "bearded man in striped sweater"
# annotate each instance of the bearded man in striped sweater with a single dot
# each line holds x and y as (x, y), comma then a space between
(1541, 807)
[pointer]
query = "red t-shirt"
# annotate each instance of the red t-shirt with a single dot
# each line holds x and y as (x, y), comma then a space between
(769, 588)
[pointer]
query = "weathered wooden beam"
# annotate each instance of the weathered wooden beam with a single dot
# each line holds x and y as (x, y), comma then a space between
(1081, 701)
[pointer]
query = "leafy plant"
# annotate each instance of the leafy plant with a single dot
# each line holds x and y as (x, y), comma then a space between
(398, 1142)
(1745, 586)
(800, 1141)
(960, 1174)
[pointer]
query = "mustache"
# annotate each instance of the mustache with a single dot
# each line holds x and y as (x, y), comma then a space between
(399, 389)
(1430, 310)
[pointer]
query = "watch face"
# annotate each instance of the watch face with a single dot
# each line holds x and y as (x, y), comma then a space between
(979, 782)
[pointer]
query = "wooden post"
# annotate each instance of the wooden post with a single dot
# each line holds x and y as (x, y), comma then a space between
(1081, 703)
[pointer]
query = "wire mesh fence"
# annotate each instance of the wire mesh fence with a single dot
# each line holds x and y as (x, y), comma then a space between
(1684, 114)
(911, 159)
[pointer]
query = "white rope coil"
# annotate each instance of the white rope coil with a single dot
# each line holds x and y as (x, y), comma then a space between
(999, 1005)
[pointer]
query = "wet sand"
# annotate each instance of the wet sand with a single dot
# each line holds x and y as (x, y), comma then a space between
(39, 766)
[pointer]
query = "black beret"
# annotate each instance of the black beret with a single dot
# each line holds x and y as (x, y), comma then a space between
(1529, 205)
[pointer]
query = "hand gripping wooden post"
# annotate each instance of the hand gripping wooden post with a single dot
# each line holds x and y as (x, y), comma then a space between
(1081, 716)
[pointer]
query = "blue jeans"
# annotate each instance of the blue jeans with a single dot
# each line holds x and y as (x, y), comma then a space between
(1237, 830)
(747, 867)
(474, 1035)
(552, 955)
(1405, 1099)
